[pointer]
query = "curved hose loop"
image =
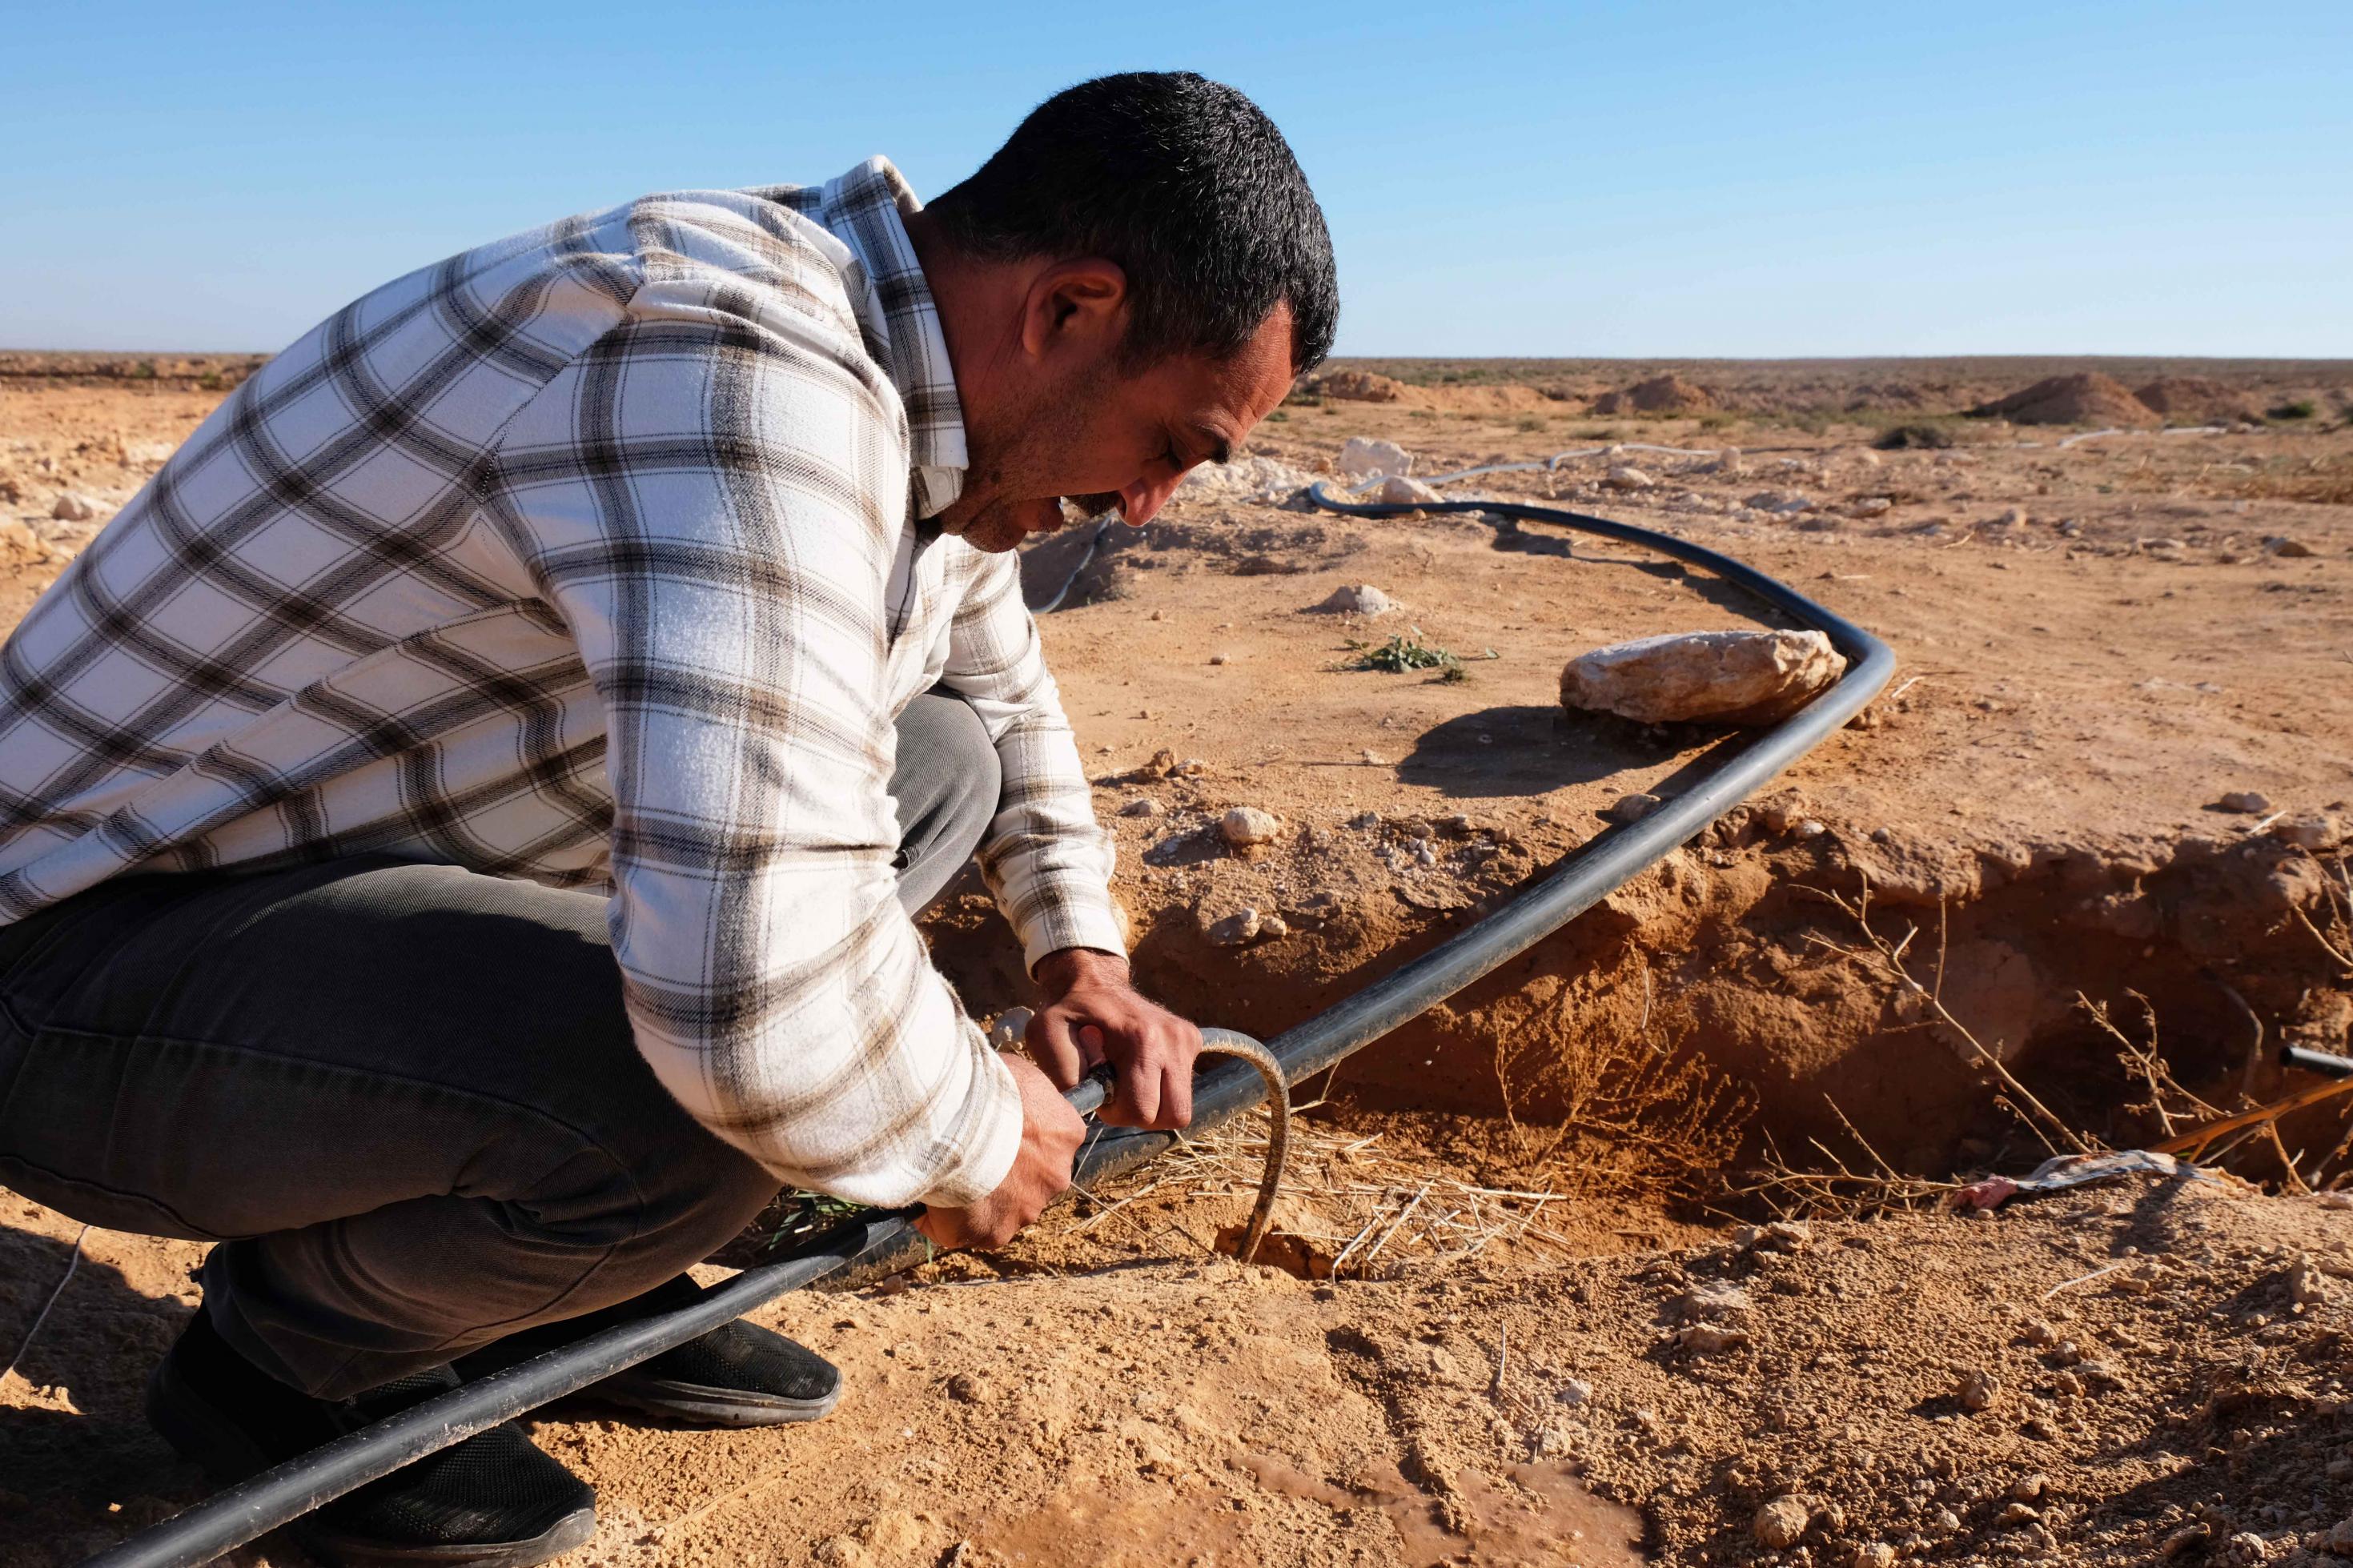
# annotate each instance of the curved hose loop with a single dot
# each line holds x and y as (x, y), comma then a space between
(880, 1241)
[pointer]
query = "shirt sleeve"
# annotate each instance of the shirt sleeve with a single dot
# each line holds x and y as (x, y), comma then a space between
(1047, 860)
(709, 498)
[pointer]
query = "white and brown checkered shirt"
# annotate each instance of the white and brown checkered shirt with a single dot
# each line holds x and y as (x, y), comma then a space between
(572, 558)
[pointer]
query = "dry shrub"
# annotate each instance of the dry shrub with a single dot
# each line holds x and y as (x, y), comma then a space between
(1630, 1116)
(2321, 481)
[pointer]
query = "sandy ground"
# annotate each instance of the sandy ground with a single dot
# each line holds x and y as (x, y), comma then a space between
(2098, 641)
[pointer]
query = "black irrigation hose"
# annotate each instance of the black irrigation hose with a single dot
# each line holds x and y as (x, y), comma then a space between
(881, 1242)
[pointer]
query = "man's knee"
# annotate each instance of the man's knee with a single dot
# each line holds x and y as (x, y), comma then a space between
(946, 783)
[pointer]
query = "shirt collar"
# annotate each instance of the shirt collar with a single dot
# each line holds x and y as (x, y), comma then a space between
(866, 209)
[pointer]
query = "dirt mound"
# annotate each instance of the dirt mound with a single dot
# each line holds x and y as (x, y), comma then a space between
(1668, 393)
(1359, 386)
(2198, 400)
(2085, 398)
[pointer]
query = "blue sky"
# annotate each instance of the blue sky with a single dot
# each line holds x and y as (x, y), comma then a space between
(1699, 179)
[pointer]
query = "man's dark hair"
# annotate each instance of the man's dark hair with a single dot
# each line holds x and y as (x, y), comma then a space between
(1183, 182)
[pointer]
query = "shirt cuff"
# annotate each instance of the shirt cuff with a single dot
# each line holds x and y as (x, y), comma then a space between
(994, 1138)
(1078, 915)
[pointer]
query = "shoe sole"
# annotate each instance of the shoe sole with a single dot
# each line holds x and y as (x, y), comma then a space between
(212, 1441)
(708, 1406)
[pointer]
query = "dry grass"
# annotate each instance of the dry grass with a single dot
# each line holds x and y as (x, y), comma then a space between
(1627, 1116)
(1350, 1208)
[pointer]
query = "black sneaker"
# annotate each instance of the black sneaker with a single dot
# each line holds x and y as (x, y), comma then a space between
(735, 1376)
(493, 1499)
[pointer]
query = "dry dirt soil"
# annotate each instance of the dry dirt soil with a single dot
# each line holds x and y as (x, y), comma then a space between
(1551, 1344)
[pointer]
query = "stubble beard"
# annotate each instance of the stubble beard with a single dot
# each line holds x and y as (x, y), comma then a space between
(1003, 499)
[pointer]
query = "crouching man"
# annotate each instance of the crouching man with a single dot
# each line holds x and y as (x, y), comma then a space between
(460, 825)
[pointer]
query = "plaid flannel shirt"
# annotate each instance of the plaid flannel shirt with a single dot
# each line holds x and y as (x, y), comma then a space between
(590, 557)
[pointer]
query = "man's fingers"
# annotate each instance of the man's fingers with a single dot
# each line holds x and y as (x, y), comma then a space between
(1139, 1092)
(1175, 1097)
(1052, 1043)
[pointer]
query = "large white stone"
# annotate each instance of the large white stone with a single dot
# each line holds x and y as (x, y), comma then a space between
(1247, 479)
(1357, 599)
(1364, 457)
(1398, 490)
(1716, 678)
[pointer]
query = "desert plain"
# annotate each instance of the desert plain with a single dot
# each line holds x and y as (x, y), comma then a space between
(1645, 1249)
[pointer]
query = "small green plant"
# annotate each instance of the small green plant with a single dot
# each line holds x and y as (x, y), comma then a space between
(1327, 408)
(1454, 675)
(145, 370)
(1407, 651)
(1528, 423)
(1278, 417)
(211, 382)
(2298, 408)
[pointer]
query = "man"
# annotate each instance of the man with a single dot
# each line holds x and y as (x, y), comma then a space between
(460, 825)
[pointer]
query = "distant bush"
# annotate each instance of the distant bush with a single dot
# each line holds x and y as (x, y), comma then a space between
(1278, 417)
(1903, 438)
(2300, 408)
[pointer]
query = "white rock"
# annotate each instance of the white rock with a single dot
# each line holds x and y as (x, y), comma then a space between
(1143, 805)
(1784, 504)
(1722, 678)
(2248, 801)
(1874, 1554)
(1247, 479)
(1247, 824)
(1357, 599)
(2013, 518)
(1625, 476)
(72, 505)
(1574, 1393)
(1235, 929)
(1401, 492)
(2313, 830)
(1872, 506)
(1364, 457)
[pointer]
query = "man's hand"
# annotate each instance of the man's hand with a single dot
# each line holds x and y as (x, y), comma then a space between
(1050, 1132)
(1091, 1015)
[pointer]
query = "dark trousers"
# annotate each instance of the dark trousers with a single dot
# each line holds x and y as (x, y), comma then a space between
(404, 1098)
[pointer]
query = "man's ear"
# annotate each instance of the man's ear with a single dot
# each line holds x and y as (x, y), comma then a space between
(1071, 305)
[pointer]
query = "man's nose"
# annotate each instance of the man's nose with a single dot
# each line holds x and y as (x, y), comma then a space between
(1140, 501)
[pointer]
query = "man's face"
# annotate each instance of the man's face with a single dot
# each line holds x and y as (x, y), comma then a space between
(1086, 428)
